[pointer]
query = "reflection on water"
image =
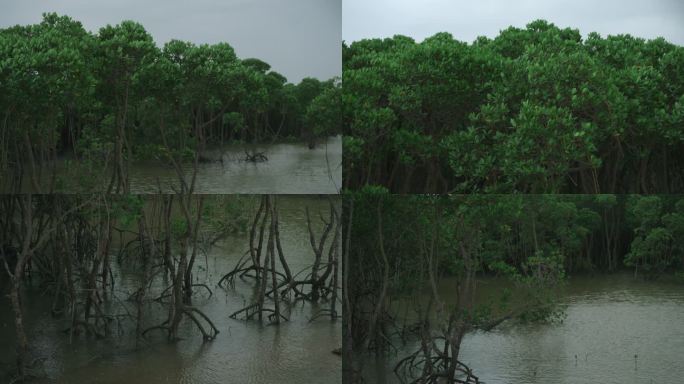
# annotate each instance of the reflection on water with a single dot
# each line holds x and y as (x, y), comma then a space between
(244, 352)
(610, 319)
(291, 168)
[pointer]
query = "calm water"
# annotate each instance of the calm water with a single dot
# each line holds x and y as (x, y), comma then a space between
(292, 168)
(609, 320)
(297, 351)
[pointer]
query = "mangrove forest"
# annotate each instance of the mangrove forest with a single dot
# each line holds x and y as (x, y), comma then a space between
(81, 110)
(507, 288)
(534, 110)
(156, 288)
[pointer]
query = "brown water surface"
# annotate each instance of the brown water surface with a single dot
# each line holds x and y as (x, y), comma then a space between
(297, 351)
(610, 319)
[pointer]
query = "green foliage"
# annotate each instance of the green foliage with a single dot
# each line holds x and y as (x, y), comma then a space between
(179, 228)
(536, 109)
(658, 243)
(324, 113)
(524, 240)
(225, 215)
(528, 243)
(127, 209)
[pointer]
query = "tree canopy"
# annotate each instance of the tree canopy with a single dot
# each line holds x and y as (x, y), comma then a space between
(537, 110)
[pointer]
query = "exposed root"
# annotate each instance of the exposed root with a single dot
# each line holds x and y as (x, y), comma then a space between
(206, 287)
(431, 364)
(323, 313)
(250, 311)
(207, 335)
(157, 327)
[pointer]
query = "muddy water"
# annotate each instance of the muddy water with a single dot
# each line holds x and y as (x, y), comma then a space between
(291, 168)
(297, 351)
(610, 319)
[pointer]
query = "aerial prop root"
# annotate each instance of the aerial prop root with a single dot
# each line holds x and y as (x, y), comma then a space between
(254, 309)
(192, 313)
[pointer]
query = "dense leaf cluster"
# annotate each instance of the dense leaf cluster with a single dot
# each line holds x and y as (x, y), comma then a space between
(538, 109)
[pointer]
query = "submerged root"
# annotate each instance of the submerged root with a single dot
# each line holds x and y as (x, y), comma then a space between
(161, 326)
(431, 365)
(229, 278)
(250, 311)
(208, 333)
(323, 313)
(89, 328)
(255, 157)
(205, 287)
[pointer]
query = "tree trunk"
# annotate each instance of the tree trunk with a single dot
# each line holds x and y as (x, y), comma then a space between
(22, 343)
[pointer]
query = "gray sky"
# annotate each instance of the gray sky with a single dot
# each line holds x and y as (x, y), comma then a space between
(299, 38)
(468, 19)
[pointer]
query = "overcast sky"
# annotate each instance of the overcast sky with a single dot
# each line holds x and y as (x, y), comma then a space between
(299, 38)
(466, 20)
